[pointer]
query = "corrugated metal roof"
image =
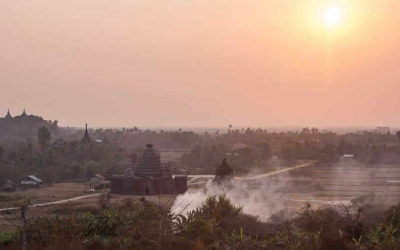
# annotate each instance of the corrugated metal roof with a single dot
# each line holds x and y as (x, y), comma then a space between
(34, 178)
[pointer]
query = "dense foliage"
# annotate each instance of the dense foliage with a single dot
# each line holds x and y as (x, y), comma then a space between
(61, 156)
(217, 224)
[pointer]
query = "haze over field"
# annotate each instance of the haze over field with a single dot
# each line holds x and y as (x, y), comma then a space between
(202, 63)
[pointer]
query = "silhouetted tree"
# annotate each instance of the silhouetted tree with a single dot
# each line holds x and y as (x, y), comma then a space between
(44, 139)
(76, 171)
(398, 134)
(134, 158)
(329, 150)
(229, 128)
(266, 150)
(89, 172)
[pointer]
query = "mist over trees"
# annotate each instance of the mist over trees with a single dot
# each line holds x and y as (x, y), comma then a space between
(59, 155)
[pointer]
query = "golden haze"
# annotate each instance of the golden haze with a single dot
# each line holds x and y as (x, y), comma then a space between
(201, 63)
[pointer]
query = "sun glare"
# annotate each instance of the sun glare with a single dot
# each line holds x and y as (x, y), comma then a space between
(332, 15)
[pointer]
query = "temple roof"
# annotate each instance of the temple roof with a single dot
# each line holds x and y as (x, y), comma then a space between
(150, 157)
(150, 164)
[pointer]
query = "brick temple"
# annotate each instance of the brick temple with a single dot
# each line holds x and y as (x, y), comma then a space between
(150, 177)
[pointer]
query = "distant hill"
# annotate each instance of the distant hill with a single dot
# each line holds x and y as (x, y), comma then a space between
(23, 126)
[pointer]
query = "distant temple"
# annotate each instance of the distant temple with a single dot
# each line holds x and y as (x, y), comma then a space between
(8, 115)
(150, 177)
(23, 117)
(223, 172)
(86, 137)
(23, 126)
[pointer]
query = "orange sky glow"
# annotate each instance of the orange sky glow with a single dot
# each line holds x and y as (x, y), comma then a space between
(202, 62)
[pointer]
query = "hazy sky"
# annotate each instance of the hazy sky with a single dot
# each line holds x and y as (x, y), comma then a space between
(201, 62)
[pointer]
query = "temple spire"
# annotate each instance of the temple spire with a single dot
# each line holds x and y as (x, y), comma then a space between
(8, 115)
(86, 137)
(23, 113)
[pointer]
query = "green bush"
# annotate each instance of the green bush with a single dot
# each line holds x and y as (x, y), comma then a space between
(6, 238)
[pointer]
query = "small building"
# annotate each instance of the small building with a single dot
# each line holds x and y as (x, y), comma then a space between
(239, 146)
(149, 177)
(98, 183)
(31, 180)
(347, 156)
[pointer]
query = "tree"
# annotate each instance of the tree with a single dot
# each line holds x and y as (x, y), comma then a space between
(19, 214)
(76, 171)
(329, 150)
(44, 139)
(266, 150)
(1, 154)
(398, 134)
(134, 158)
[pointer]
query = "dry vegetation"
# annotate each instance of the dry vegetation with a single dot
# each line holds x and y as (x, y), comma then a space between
(217, 224)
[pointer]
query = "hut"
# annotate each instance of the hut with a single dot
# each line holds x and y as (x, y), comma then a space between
(98, 183)
(31, 180)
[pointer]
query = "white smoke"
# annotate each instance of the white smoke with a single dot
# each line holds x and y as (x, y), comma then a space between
(343, 184)
(260, 199)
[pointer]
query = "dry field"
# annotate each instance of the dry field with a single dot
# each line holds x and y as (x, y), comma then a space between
(325, 185)
(9, 220)
(340, 183)
(44, 194)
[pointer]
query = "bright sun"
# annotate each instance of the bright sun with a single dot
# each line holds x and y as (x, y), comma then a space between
(332, 15)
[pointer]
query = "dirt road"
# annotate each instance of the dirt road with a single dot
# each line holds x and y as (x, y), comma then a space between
(193, 178)
(261, 176)
(53, 202)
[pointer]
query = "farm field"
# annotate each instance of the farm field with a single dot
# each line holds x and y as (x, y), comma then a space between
(43, 194)
(9, 220)
(340, 183)
(324, 185)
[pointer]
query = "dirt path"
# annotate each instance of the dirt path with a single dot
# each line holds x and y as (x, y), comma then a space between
(53, 202)
(261, 176)
(256, 177)
(195, 180)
